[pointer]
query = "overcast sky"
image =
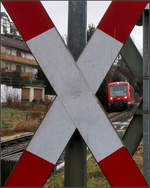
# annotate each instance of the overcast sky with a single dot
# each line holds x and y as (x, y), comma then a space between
(58, 11)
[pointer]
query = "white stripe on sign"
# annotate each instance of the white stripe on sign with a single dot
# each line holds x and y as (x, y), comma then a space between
(53, 134)
(68, 83)
(148, 6)
(98, 57)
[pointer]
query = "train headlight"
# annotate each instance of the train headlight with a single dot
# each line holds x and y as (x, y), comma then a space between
(111, 98)
(125, 97)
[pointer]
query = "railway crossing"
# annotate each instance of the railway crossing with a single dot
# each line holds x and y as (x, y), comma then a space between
(75, 85)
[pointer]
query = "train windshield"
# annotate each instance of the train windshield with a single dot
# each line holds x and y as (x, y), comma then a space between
(118, 90)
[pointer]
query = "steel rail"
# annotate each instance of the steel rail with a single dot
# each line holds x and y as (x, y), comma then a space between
(22, 138)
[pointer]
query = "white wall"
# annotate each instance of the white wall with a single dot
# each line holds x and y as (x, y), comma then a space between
(9, 91)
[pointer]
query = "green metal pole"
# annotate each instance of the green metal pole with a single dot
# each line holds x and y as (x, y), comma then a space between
(146, 94)
(133, 59)
(134, 132)
(75, 153)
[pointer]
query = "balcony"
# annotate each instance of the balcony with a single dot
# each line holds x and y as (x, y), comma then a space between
(18, 59)
(12, 73)
(27, 75)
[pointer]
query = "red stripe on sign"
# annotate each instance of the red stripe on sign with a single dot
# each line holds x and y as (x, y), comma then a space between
(120, 18)
(121, 171)
(30, 171)
(30, 17)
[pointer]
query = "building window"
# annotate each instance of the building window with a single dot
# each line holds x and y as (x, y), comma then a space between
(18, 53)
(4, 29)
(8, 66)
(18, 68)
(34, 71)
(23, 54)
(8, 51)
(23, 68)
(5, 25)
(5, 21)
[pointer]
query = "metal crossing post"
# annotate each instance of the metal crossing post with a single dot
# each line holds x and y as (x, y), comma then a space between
(146, 94)
(134, 132)
(75, 154)
(77, 22)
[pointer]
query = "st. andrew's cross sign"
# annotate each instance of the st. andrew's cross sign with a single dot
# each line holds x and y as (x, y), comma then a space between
(75, 84)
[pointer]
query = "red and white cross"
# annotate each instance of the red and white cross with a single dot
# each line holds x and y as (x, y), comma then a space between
(75, 84)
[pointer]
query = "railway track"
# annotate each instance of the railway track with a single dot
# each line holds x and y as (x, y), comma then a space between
(17, 145)
(123, 115)
(14, 146)
(121, 120)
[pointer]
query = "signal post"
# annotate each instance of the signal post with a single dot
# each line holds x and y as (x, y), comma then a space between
(146, 93)
(75, 153)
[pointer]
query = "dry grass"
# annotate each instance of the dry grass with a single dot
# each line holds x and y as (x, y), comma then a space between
(23, 118)
(95, 177)
(56, 180)
(138, 157)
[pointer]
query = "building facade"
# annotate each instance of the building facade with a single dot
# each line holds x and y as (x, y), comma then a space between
(15, 56)
(18, 66)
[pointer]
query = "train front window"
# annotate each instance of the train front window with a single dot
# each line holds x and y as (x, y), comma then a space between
(118, 90)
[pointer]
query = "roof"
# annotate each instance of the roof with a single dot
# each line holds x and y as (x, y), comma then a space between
(13, 43)
(116, 83)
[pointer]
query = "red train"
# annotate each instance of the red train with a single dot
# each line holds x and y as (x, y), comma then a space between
(120, 95)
